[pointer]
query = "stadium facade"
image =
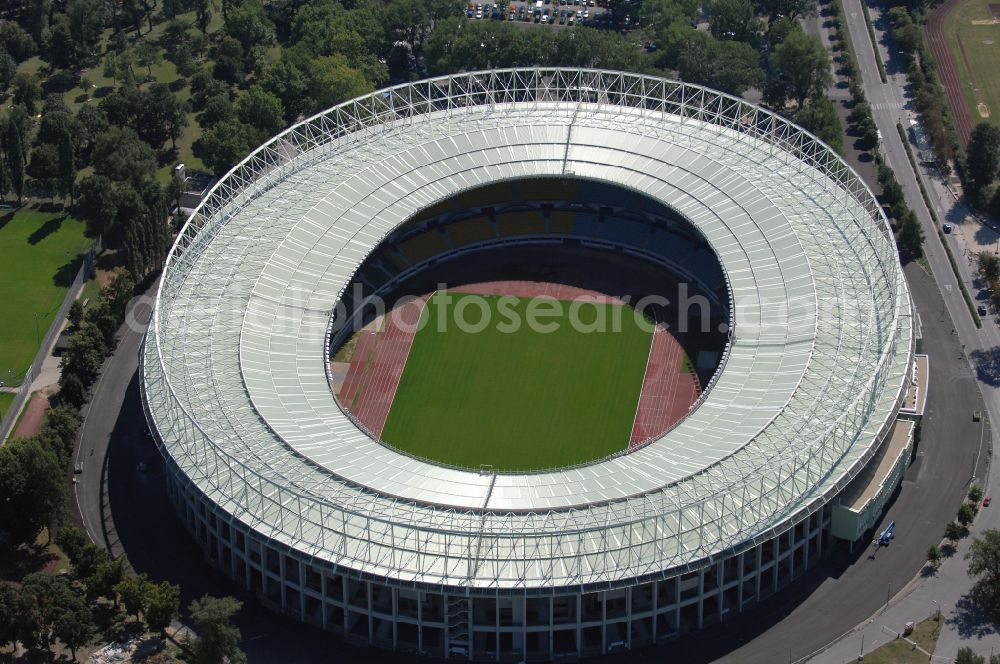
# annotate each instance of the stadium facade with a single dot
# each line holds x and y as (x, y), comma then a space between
(297, 504)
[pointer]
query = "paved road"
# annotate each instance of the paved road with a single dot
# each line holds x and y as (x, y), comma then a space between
(844, 592)
(100, 417)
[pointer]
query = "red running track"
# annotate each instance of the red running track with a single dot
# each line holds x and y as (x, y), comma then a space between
(947, 71)
(379, 359)
(667, 392)
(377, 378)
(356, 372)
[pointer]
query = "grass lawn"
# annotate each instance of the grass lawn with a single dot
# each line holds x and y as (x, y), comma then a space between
(39, 254)
(521, 400)
(5, 400)
(982, 51)
(925, 634)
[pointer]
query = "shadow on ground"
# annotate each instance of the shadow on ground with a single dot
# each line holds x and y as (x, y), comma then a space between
(45, 230)
(972, 618)
(987, 364)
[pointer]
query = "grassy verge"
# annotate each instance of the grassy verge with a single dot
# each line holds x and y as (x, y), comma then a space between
(901, 651)
(39, 256)
(874, 40)
(6, 398)
(514, 397)
(969, 303)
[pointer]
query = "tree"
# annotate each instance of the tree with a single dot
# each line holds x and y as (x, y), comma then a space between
(225, 144)
(249, 26)
(107, 574)
(66, 172)
(148, 54)
(218, 640)
(15, 156)
(72, 390)
(15, 40)
(203, 13)
(84, 355)
(31, 481)
(9, 614)
(791, 9)
(261, 110)
(118, 293)
(976, 491)
(726, 65)
(333, 80)
(965, 514)
(86, 20)
(26, 91)
(989, 267)
(58, 432)
(820, 117)
(133, 589)
(43, 168)
(163, 602)
(953, 531)
(910, 235)
(218, 108)
(983, 156)
(169, 111)
(287, 82)
(733, 19)
(42, 603)
(74, 625)
(184, 61)
(97, 204)
(804, 66)
(967, 655)
(71, 540)
(121, 156)
(934, 555)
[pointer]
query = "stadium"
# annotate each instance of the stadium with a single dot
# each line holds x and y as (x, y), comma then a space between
(340, 461)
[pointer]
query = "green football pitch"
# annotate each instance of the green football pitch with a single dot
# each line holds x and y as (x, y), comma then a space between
(39, 254)
(518, 400)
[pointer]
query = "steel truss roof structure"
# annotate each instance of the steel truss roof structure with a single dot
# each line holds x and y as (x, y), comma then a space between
(234, 362)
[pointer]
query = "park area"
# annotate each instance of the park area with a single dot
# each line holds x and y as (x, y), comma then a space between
(39, 257)
(972, 29)
(518, 399)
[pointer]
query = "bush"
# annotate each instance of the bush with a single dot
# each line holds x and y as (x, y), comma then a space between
(975, 493)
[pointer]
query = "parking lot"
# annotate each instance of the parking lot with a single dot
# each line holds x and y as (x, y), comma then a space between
(554, 12)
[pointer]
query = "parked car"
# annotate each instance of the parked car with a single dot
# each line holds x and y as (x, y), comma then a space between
(947, 228)
(981, 309)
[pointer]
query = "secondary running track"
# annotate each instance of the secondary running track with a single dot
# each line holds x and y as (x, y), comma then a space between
(947, 69)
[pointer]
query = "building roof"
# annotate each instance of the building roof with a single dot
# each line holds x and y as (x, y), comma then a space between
(235, 372)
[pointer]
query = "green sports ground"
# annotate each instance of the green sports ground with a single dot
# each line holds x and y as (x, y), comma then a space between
(39, 255)
(518, 399)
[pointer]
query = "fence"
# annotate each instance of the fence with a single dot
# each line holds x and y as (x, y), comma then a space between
(24, 391)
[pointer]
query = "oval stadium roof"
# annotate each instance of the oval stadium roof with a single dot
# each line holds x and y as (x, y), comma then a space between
(234, 363)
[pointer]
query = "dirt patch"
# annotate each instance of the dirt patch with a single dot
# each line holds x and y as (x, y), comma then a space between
(31, 418)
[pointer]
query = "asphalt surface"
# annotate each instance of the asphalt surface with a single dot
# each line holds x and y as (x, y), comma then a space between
(126, 509)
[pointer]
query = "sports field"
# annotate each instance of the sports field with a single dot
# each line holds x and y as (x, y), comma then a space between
(522, 399)
(39, 253)
(973, 35)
